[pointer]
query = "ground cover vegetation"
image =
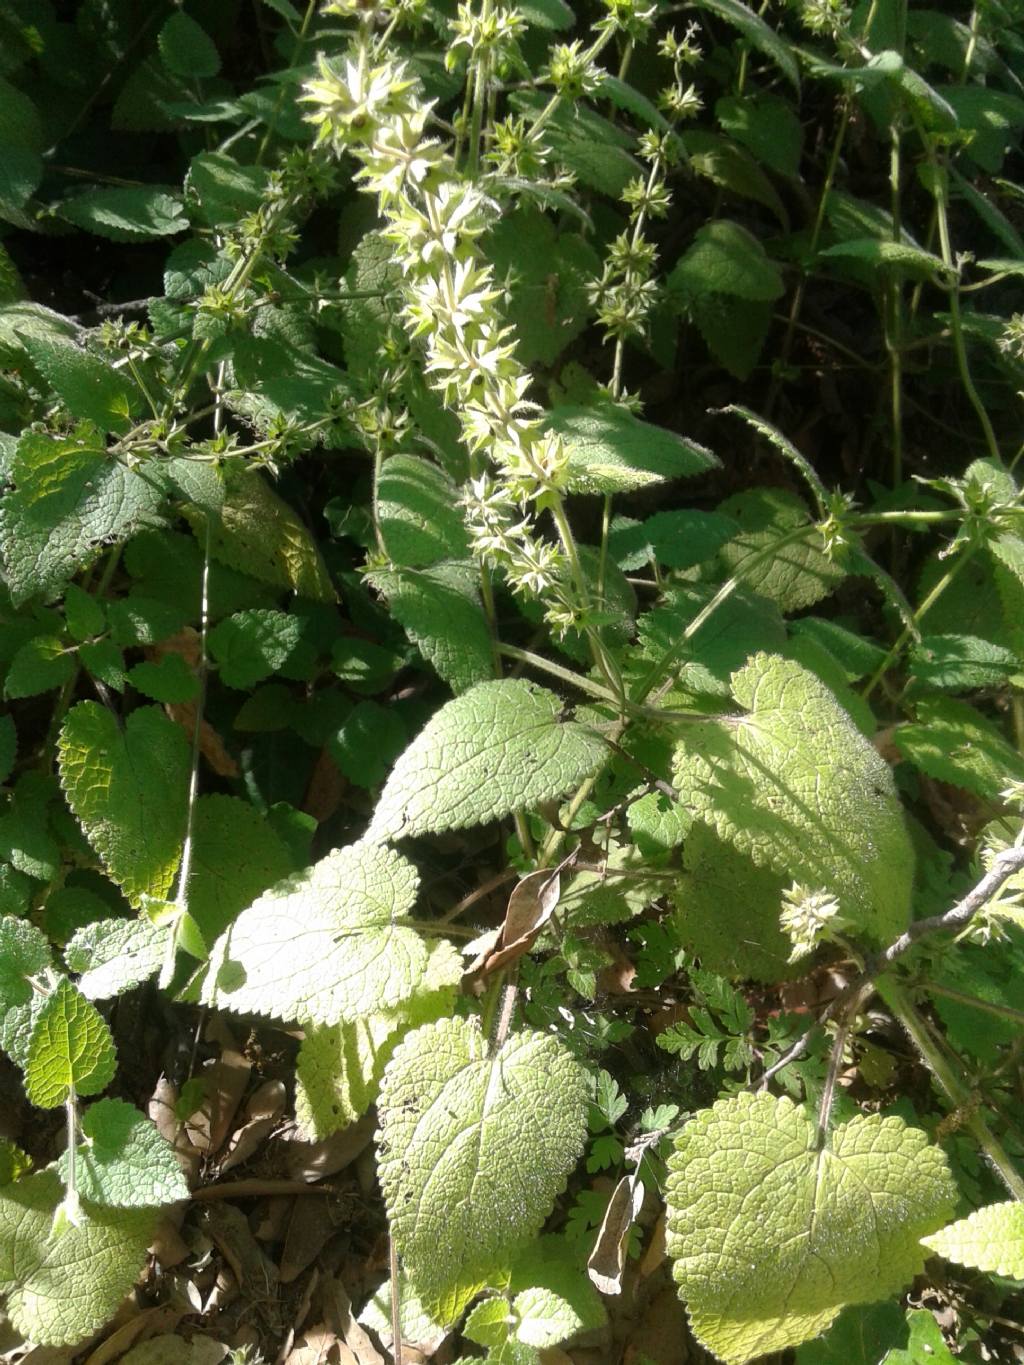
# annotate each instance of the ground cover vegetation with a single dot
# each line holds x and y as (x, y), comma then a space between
(512, 629)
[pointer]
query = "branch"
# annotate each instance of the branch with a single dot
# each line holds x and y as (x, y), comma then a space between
(1008, 862)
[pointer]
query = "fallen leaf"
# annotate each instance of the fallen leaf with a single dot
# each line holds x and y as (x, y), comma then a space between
(608, 1259)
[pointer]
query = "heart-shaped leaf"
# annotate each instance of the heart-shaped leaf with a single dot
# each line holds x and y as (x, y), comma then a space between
(772, 1236)
(474, 1149)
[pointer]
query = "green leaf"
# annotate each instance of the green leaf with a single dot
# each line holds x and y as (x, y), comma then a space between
(925, 1346)
(549, 14)
(753, 29)
(71, 908)
(83, 614)
(105, 661)
(439, 609)
(252, 645)
(325, 945)
(236, 856)
(88, 386)
(860, 1336)
(124, 1163)
(40, 665)
(62, 1289)
(799, 574)
(727, 911)
(952, 742)
(611, 451)
(24, 954)
(258, 533)
(474, 1149)
(186, 48)
(772, 1236)
(794, 785)
(114, 955)
(368, 742)
(418, 514)
(167, 679)
(729, 166)
(548, 273)
(71, 1050)
(19, 319)
(136, 214)
(129, 789)
(339, 1068)
(767, 126)
(70, 497)
(498, 748)
(726, 259)
(734, 329)
(25, 838)
(990, 1239)
(886, 256)
(679, 539)
(140, 620)
(14, 1163)
(226, 190)
(961, 663)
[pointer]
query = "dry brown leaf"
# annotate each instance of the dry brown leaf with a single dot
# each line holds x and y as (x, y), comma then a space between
(309, 1229)
(211, 746)
(316, 1160)
(261, 1116)
(321, 1346)
(532, 903)
(608, 1259)
(226, 1080)
(339, 1316)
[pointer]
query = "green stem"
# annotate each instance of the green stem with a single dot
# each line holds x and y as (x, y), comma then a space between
(907, 633)
(658, 671)
(566, 675)
(893, 325)
(941, 193)
(920, 1034)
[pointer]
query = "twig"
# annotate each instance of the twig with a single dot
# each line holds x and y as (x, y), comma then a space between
(1008, 862)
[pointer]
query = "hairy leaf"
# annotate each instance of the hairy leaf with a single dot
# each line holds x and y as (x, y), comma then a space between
(258, 533)
(129, 789)
(124, 1163)
(88, 386)
(136, 214)
(236, 856)
(70, 496)
(772, 1237)
(71, 1049)
(186, 48)
(727, 259)
(758, 34)
(611, 451)
(114, 955)
(498, 748)
(339, 1067)
(439, 609)
(324, 945)
(799, 574)
(61, 1289)
(951, 741)
(252, 645)
(796, 787)
(989, 1239)
(474, 1148)
(24, 954)
(417, 512)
